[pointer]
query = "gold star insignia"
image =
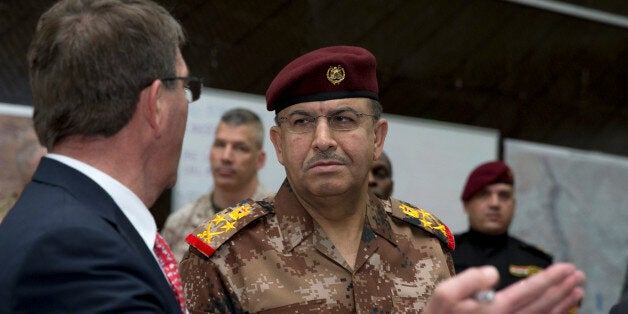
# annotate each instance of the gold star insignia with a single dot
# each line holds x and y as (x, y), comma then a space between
(228, 226)
(426, 223)
(412, 212)
(218, 219)
(426, 219)
(442, 229)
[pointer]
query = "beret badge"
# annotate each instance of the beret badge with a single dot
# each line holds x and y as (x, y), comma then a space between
(335, 74)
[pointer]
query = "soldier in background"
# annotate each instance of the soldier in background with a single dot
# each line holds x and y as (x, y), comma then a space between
(235, 157)
(622, 304)
(489, 202)
(620, 308)
(325, 244)
(380, 177)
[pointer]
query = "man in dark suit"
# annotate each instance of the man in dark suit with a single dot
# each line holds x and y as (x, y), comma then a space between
(111, 93)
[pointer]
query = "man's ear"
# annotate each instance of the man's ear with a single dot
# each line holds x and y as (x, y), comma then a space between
(152, 107)
(275, 137)
(380, 129)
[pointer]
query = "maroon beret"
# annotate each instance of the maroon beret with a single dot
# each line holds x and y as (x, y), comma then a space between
(324, 74)
(485, 174)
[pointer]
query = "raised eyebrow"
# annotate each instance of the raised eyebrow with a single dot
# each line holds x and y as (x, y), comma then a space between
(330, 113)
(301, 112)
(341, 110)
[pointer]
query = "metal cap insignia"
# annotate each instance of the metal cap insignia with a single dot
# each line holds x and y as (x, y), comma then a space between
(335, 74)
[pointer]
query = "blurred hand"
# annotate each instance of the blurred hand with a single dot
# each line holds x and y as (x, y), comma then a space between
(554, 290)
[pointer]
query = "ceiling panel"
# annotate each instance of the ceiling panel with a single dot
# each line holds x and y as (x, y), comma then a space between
(534, 75)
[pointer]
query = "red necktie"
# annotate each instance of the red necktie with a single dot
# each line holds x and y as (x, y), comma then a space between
(169, 265)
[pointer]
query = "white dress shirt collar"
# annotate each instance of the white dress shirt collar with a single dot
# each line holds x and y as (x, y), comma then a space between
(131, 205)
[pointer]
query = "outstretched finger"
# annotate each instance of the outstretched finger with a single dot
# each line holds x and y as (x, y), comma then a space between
(455, 295)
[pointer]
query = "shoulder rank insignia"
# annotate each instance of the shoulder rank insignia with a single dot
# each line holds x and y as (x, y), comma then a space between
(214, 232)
(424, 220)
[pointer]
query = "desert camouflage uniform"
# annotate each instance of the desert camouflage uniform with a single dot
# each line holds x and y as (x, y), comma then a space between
(272, 256)
(183, 221)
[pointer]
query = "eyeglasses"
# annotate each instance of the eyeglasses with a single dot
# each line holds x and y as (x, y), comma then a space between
(304, 122)
(192, 86)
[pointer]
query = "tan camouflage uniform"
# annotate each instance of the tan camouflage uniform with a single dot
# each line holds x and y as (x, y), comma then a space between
(183, 221)
(272, 256)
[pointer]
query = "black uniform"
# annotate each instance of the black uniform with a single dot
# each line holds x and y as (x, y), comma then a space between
(620, 308)
(513, 258)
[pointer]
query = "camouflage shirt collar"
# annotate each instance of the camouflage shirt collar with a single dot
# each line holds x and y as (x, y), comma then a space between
(378, 217)
(294, 221)
(296, 224)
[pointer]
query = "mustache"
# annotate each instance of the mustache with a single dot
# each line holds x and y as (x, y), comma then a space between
(225, 168)
(326, 155)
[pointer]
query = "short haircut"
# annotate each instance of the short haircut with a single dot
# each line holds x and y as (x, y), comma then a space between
(376, 106)
(240, 116)
(90, 59)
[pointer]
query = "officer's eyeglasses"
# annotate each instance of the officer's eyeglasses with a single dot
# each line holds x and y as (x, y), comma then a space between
(305, 122)
(192, 87)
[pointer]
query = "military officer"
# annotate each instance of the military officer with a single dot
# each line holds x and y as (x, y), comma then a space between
(324, 242)
(489, 202)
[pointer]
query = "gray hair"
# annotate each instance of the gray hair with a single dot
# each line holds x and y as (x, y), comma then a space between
(240, 116)
(90, 59)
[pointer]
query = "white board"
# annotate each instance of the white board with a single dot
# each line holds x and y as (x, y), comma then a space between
(431, 161)
(16, 110)
(573, 204)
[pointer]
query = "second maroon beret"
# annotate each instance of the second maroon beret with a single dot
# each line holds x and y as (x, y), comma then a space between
(485, 174)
